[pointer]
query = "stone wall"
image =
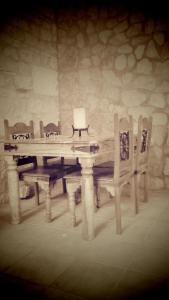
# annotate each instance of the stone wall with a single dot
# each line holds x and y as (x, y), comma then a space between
(28, 72)
(116, 60)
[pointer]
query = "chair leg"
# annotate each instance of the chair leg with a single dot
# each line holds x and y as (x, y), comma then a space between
(71, 199)
(97, 196)
(48, 205)
(36, 189)
(133, 194)
(118, 210)
(146, 186)
(78, 196)
(137, 187)
(72, 188)
(64, 185)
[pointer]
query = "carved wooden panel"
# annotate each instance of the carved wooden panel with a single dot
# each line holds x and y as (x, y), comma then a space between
(144, 140)
(124, 145)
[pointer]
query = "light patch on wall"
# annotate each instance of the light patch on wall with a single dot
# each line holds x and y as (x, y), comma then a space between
(44, 81)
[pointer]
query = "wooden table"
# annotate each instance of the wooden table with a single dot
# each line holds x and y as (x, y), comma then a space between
(87, 149)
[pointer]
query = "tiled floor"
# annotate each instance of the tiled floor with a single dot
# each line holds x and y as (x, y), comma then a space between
(41, 260)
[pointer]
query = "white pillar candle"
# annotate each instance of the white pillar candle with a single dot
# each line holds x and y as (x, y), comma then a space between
(79, 118)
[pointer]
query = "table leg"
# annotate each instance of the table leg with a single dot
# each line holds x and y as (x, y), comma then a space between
(87, 198)
(13, 190)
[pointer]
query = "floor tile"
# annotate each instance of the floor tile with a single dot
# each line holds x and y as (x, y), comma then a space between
(151, 260)
(15, 288)
(91, 281)
(54, 293)
(137, 285)
(40, 267)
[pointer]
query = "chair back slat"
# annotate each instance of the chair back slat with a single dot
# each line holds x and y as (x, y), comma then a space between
(123, 147)
(50, 129)
(19, 130)
(143, 140)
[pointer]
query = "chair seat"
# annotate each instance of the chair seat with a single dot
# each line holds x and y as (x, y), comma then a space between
(47, 173)
(106, 164)
(103, 171)
(97, 172)
(21, 160)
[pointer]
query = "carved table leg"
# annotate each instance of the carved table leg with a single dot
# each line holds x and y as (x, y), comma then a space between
(13, 189)
(87, 198)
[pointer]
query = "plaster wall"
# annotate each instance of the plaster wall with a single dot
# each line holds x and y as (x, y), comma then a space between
(28, 73)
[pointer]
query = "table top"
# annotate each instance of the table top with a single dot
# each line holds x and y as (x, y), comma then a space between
(60, 139)
(59, 145)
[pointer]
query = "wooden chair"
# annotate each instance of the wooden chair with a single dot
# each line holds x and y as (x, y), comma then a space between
(21, 131)
(46, 176)
(142, 156)
(114, 178)
(52, 130)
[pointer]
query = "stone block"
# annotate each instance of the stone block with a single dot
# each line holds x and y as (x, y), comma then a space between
(160, 119)
(151, 51)
(157, 100)
(156, 183)
(131, 61)
(144, 82)
(144, 66)
(125, 49)
(120, 62)
(166, 166)
(159, 38)
(134, 30)
(132, 98)
(166, 181)
(159, 135)
(105, 35)
(139, 51)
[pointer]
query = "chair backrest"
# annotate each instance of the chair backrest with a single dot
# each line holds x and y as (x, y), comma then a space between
(21, 131)
(143, 141)
(50, 129)
(123, 148)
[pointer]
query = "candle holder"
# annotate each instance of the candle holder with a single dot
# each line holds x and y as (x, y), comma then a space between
(80, 130)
